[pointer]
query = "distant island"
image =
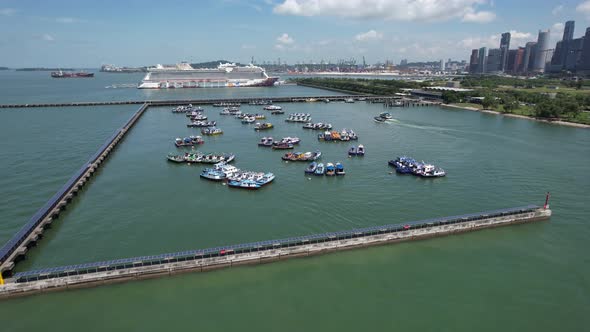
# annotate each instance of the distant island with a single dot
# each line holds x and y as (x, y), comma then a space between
(4, 68)
(44, 69)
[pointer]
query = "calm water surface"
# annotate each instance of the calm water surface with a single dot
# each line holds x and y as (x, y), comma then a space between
(528, 278)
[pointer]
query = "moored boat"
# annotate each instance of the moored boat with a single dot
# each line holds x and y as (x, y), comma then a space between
(272, 108)
(196, 124)
(213, 174)
(298, 156)
(340, 169)
(210, 131)
(263, 126)
(188, 141)
(352, 151)
(320, 170)
(282, 146)
(330, 169)
(310, 169)
(360, 151)
(266, 142)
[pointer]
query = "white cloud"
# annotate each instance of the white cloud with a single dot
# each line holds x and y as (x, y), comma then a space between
(368, 36)
(557, 10)
(401, 10)
(7, 11)
(47, 37)
(479, 17)
(68, 20)
(285, 39)
(584, 8)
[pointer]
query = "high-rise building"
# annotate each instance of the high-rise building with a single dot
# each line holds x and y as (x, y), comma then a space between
(510, 61)
(519, 60)
(481, 65)
(584, 64)
(442, 65)
(473, 61)
(541, 51)
(404, 62)
(504, 47)
(494, 61)
(529, 56)
(574, 54)
(568, 31)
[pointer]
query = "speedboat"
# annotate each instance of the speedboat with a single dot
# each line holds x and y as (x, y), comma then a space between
(198, 117)
(360, 151)
(259, 116)
(290, 140)
(249, 119)
(352, 151)
(340, 169)
(282, 146)
(311, 168)
(319, 169)
(266, 141)
(330, 169)
(276, 112)
(272, 108)
(379, 119)
(195, 124)
(386, 115)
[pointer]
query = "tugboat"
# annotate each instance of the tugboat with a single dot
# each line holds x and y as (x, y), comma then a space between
(330, 169)
(320, 170)
(311, 168)
(340, 169)
(263, 126)
(211, 131)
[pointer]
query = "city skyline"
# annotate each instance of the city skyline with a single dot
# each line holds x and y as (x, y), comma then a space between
(70, 33)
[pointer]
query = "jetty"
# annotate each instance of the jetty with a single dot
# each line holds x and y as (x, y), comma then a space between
(127, 269)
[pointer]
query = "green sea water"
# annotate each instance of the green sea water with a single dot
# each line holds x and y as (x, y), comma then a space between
(526, 278)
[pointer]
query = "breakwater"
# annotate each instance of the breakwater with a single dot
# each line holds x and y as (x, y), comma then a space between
(189, 101)
(99, 273)
(33, 230)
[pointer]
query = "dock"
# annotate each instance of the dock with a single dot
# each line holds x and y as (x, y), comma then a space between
(202, 260)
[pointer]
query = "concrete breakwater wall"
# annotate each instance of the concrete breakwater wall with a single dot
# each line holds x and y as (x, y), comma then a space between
(32, 231)
(94, 274)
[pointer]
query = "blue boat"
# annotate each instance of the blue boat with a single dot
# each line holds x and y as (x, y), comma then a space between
(244, 184)
(330, 169)
(352, 151)
(311, 168)
(340, 169)
(320, 169)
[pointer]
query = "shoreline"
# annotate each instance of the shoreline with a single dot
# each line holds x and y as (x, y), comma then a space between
(558, 122)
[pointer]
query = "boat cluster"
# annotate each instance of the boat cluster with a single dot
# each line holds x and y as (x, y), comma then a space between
(329, 169)
(227, 105)
(357, 151)
(201, 158)
(188, 141)
(187, 109)
(334, 136)
(283, 144)
(260, 102)
(237, 178)
(406, 165)
(383, 117)
(302, 156)
(317, 126)
(299, 117)
(250, 118)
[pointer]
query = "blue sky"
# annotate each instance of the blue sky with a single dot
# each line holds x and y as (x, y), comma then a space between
(90, 33)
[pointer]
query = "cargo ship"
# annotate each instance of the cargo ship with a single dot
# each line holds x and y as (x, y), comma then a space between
(64, 74)
(225, 75)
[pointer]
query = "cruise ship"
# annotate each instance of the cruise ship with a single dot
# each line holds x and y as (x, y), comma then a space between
(225, 75)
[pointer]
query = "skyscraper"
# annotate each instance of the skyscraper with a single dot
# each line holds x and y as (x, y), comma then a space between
(540, 58)
(481, 65)
(473, 61)
(568, 31)
(529, 55)
(519, 60)
(494, 61)
(511, 61)
(504, 47)
(584, 64)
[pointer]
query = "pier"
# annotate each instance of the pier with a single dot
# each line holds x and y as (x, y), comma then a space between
(100, 273)
(33, 230)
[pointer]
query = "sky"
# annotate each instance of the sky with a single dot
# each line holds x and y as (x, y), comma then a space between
(83, 33)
